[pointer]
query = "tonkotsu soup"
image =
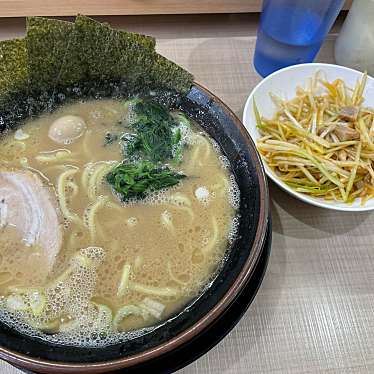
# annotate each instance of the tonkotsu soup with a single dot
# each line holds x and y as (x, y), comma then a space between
(114, 216)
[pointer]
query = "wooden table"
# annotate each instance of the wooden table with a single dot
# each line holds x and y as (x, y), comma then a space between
(315, 310)
(22, 8)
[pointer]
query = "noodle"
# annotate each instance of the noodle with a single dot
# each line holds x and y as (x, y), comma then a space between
(61, 184)
(167, 221)
(222, 187)
(96, 178)
(138, 262)
(86, 175)
(203, 143)
(182, 202)
(155, 291)
(213, 240)
(74, 188)
(122, 288)
(173, 277)
(126, 311)
(5, 277)
(13, 149)
(90, 216)
(55, 156)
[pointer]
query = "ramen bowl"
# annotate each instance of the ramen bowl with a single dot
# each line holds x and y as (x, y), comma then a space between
(235, 273)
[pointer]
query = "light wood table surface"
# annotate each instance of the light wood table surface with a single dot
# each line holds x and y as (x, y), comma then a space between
(314, 312)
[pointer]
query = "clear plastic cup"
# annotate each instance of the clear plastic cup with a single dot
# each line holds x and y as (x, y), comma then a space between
(292, 31)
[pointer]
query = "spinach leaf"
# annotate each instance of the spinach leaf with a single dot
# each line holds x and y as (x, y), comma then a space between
(136, 179)
(156, 136)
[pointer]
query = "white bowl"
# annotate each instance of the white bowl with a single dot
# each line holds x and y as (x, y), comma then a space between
(283, 83)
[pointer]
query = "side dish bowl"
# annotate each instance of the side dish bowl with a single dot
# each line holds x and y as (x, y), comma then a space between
(283, 83)
(237, 269)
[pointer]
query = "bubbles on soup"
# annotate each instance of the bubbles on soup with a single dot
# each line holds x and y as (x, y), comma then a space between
(132, 221)
(224, 161)
(234, 193)
(234, 229)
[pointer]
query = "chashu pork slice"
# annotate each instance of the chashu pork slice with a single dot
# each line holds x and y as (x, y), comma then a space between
(30, 206)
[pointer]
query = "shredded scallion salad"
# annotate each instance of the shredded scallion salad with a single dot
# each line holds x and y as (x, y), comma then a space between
(322, 141)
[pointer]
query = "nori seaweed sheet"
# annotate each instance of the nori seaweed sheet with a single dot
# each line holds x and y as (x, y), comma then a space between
(61, 61)
(113, 53)
(170, 76)
(95, 44)
(13, 67)
(50, 52)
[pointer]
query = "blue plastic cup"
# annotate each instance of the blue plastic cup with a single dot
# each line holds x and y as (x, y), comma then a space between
(292, 31)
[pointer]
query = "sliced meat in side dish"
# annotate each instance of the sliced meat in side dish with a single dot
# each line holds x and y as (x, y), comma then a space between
(345, 133)
(349, 113)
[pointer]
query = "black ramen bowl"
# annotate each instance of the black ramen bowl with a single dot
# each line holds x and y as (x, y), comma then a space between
(237, 269)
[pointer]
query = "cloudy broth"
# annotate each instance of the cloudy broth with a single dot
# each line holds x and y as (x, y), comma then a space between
(121, 267)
